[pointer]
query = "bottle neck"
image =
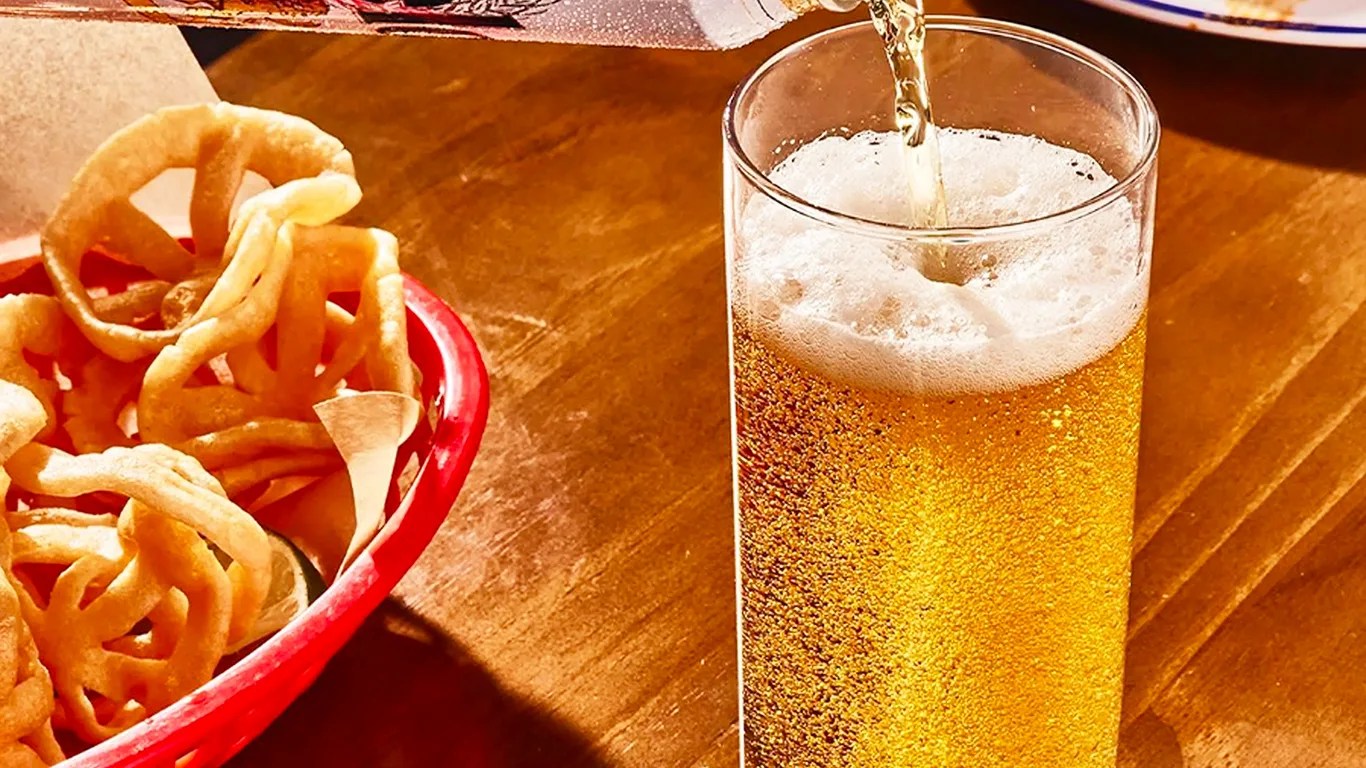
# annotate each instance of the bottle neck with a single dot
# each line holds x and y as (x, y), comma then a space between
(728, 23)
(838, 6)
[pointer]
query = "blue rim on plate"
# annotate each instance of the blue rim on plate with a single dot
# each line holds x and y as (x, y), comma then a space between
(1309, 24)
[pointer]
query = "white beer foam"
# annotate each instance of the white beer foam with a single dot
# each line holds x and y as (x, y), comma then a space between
(852, 307)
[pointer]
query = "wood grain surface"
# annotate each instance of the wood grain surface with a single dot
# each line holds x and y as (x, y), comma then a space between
(577, 607)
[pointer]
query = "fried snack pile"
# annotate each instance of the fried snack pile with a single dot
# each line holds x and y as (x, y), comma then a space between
(142, 417)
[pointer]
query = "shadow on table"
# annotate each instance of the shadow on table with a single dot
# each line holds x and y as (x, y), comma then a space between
(1148, 742)
(1278, 101)
(403, 694)
(209, 45)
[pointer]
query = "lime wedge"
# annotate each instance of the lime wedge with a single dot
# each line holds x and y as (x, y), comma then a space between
(294, 584)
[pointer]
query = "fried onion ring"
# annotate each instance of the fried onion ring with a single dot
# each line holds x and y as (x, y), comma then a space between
(221, 142)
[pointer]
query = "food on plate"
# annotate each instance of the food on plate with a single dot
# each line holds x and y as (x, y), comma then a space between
(161, 393)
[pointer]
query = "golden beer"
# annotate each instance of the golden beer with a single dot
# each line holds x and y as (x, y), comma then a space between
(934, 580)
(935, 480)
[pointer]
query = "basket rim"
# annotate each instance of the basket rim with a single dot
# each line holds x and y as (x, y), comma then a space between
(461, 404)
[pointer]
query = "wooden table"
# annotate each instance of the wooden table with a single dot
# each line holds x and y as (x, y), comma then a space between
(577, 607)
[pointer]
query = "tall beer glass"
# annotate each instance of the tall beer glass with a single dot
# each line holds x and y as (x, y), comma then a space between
(936, 431)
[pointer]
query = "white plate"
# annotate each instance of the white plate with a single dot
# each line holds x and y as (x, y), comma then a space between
(1335, 23)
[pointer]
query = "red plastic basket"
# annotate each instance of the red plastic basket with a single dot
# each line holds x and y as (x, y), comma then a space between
(215, 722)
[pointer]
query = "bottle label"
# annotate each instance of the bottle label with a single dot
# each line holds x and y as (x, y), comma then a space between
(458, 18)
(467, 16)
(654, 23)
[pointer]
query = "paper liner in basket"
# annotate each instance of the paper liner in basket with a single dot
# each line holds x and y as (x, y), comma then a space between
(68, 86)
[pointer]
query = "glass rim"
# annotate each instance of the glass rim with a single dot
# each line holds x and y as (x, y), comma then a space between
(1149, 131)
